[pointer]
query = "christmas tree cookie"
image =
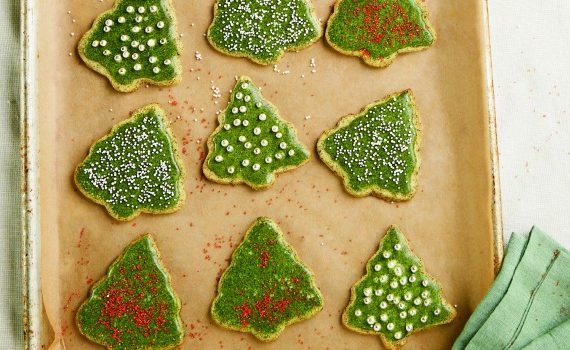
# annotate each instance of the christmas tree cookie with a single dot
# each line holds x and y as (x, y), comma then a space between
(134, 43)
(135, 168)
(252, 143)
(134, 307)
(396, 297)
(378, 30)
(262, 30)
(376, 151)
(266, 287)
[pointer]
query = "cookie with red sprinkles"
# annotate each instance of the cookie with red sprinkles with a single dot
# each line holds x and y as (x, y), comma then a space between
(266, 287)
(134, 307)
(379, 30)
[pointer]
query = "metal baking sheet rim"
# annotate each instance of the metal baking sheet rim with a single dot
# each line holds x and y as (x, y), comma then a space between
(29, 137)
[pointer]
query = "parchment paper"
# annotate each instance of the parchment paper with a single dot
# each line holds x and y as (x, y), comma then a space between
(448, 222)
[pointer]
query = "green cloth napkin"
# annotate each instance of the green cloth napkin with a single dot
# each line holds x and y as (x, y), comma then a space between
(528, 306)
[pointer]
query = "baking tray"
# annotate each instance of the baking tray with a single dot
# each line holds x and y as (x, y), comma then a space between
(465, 262)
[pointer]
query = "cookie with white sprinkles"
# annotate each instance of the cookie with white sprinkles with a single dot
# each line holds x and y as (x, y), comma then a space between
(134, 43)
(396, 297)
(376, 151)
(263, 30)
(252, 143)
(135, 168)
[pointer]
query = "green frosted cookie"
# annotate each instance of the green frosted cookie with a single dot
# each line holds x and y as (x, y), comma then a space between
(376, 151)
(396, 297)
(266, 287)
(378, 30)
(134, 43)
(134, 307)
(252, 143)
(263, 30)
(135, 168)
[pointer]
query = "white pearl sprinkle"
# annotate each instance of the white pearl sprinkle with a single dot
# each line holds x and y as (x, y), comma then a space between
(279, 135)
(436, 312)
(219, 158)
(384, 317)
(167, 62)
(268, 160)
(242, 138)
(256, 167)
(367, 291)
(367, 300)
(247, 145)
(230, 149)
(103, 43)
(152, 59)
(247, 98)
(130, 9)
(386, 255)
(274, 128)
(163, 41)
(403, 314)
(425, 283)
(95, 43)
(397, 247)
(135, 56)
(278, 155)
(264, 143)
(141, 9)
(121, 19)
(151, 42)
(256, 151)
(138, 19)
(135, 29)
(378, 292)
(160, 25)
(258, 104)
(377, 267)
(227, 127)
(262, 117)
(126, 54)
(245, 162)
(244, 85)
(409, 327)
(398, 335)
(225, 143)
(383, 305)
(106, 52)
(237, 122)
(358, 313)
(231, 170)
(243, 109)
(124, 37)
(291, 153)
(137, 66)
(153, 8)
(106, 29)
(377, 327)
(390, 326)
(256, 131)
(424, 319)
(122, 71)
(239, 95)
(414, 268)
(371, 320)
(118, 58)
(109, 22)
(283, 145)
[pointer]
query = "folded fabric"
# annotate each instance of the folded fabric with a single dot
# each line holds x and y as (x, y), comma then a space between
(528, 305)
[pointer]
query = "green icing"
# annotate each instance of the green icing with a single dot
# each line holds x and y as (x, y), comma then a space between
(134, 41)
(375, 150)
(396, 297)
(379, 29)
(266, 287)
(134, 306)
(135, 168)
(252, 143)
(263, 30)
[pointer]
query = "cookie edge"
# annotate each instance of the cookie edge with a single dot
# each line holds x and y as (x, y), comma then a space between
(137, 83)
(315, 21)
(177, 159)
(368, 268)
(374, 190)
(390, 59)
(295, 256)
(210, 175)
(161, 266)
